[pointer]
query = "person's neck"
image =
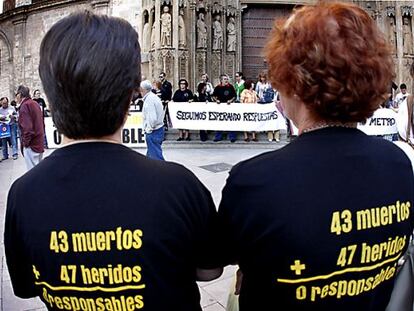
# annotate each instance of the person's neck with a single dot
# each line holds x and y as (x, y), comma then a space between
(307, 122)
(115, 138)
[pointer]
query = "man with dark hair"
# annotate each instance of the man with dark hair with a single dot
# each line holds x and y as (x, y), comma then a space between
(224, 93)
(31, 127)
(97, 225)
(400, 97)
(166, 95)
(166, 88)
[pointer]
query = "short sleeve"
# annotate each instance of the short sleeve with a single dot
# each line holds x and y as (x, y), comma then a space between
(20, 269)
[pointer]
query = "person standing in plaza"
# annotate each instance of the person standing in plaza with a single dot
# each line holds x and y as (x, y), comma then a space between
(43, 106)
(153, 116)
(182, 95)
(31, 127)
(224, 93)
(96, 205)
(166, 95)
(239, 85)
(8, 115)
(249, 96)
(202, 96)
(315, 225)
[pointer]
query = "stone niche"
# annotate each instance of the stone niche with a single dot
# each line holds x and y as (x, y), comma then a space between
(186, 38)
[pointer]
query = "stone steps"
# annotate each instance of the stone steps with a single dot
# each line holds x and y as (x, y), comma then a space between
(172, 134)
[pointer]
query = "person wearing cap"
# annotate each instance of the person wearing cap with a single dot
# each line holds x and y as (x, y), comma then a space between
(153, 120)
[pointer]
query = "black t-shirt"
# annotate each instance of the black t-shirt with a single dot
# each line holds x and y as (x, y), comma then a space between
(224, 93)
(98, 224)
(166, 91)
(183, 96)
(320, 224)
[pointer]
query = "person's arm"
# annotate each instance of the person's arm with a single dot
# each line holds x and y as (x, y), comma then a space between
(20, 270)
(190, 96)
(233, 94)
(26, 126)
(215, 95)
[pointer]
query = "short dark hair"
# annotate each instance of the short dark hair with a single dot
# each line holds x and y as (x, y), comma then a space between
(90, 68)
(200, 87)
(24, 91)
(403, 86)
(183, 81)
(248, 84)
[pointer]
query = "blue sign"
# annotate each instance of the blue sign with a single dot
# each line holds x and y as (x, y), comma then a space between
(4, 130)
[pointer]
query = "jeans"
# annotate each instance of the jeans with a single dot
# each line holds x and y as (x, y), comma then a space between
(13, 140)
(219, 136)
(154, 141)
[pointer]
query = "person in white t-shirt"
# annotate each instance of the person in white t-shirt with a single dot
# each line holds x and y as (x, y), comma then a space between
(401, 96)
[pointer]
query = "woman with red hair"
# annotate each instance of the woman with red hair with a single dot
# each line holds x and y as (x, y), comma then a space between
(315, 225)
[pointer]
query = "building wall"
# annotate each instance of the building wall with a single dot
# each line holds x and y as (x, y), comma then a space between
(22, 28)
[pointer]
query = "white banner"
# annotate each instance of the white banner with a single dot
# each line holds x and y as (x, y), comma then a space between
(132, 135)
(383, 122)
(224, 117)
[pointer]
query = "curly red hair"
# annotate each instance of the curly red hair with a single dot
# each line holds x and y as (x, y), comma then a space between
(334, 58)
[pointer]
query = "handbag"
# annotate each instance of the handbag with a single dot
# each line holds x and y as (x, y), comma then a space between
(402, 297)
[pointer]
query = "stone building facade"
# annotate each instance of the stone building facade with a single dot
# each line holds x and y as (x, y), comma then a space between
(184, 38)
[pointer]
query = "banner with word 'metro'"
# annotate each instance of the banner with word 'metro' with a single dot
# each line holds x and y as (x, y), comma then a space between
(224, 117)
(132, 134)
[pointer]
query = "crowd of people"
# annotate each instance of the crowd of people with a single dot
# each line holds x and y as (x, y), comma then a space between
(22, 123)
(314, 225)
(224, 93)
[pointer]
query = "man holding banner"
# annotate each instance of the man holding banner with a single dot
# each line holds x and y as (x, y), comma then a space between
(224, 93)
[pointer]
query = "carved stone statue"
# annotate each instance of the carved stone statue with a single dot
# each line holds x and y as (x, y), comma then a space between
(166, 27)
(217, 34)
(392, 35)
(407, 36)
(146, 33)
(231, 35)
(201, 32)
(182, 39)
(153, 36)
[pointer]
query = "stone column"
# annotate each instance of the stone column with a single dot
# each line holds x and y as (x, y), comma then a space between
(19, 49)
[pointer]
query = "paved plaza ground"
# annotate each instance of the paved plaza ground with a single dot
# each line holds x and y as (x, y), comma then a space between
(211, 167)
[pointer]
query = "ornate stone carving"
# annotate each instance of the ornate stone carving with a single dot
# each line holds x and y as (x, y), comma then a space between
(182, 3)
(216, 69)
(216, 8)
(230, 68)
(200, 5)
(407, 36)
(146, 34)
(166, 27)
(390, 11)
(201, 63)
(407, 10)
(231, 35)
(201, 32)
(166, 2)
(217, 33)
(183, 65)
(182, 34)
(153, 36)
(392, 34)
(168, 62)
